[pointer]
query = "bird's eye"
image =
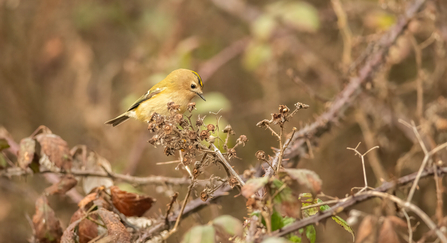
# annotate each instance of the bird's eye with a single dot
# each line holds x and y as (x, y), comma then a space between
(193, 86)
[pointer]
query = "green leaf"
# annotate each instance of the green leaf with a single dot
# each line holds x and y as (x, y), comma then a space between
(263, 26)
(253, 185)
(295, 239)
(277, 221)
(300, 15)
(306, 199)
(3, 162)
(256, 54)
(286, 199)
(3, 144)
(200, 234)
(229, 225)
(311, 233)
(345, 225)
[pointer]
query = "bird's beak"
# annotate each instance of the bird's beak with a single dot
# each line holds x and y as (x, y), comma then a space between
(200, 95)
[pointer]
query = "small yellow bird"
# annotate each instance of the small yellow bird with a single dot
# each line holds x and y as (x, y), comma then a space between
(180, 86)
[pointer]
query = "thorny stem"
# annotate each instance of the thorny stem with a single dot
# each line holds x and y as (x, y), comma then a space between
(225, 162)
(439, 192)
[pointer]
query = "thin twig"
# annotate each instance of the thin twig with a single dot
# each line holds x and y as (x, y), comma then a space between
(156, 180)
(284, 147)
(183, 207)
(362, 156)
(227, 165)
(413, 208)
(410, 229)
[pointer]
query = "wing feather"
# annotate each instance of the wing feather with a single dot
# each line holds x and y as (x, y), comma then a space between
(150, 94)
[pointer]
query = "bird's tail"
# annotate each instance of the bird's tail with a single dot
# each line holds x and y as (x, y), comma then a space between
(118, 120)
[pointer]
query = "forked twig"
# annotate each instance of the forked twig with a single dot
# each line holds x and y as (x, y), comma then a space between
(362, 156)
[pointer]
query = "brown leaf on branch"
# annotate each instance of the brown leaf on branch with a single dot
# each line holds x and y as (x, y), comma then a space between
(367, 230)
(87, 229)
(130, 204)
(307, 178)
(388, 233)
(47, 227)
(64, 185)
(116, 230)
(56, 149)
(26, 152)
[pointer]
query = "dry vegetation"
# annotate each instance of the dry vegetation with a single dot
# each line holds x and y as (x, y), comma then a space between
(354, 92)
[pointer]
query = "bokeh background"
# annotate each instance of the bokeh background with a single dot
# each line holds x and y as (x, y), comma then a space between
(72, 65)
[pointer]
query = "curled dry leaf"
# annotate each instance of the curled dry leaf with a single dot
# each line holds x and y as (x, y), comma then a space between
(307, 178)
(47, 227)
(64, 185)
(26, 152)
(56, 149)
(130, 204)
(116, 230)
(253, 185)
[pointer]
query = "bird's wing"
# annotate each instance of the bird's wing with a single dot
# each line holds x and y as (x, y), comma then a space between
(149, 94)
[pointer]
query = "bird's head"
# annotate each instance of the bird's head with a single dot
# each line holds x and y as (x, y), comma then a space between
(187, 80)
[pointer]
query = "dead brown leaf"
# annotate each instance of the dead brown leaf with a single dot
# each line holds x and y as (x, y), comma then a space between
(130, 204)
(56, 149)
(26, 152)
(367, 229)
(307, 178)
(387, 232)
(64, 185)
(47, 227)
(87, 229)
(116, 230)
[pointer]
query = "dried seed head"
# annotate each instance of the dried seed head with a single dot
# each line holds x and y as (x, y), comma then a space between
(153, 140)
(168, 151)
(178, 118)
(172, 106)
(242, 140)
(260, 155)
(231, 153)
(192, 135)
(191, 106)
(211, 139)
(168, 128)
(283, 109)
(248, 174)
(204, 134)
(233, 182)
(204, 195)
(151, 127)
(210, 127)
(196, 172)
(199, 121)
(228, 129)
(277, 118)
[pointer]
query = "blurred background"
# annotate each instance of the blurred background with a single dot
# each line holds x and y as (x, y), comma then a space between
(72, 65)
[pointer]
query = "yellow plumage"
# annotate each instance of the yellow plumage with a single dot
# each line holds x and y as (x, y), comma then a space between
(180, 87)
